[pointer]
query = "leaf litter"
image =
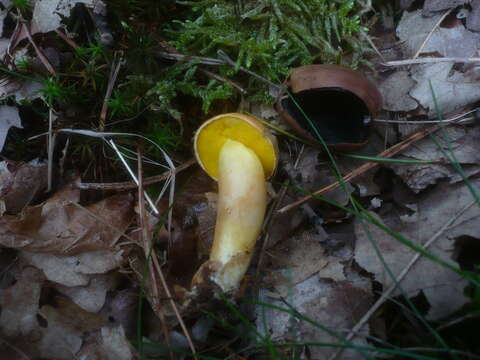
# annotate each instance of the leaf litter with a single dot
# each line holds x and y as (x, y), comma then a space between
(80, 268)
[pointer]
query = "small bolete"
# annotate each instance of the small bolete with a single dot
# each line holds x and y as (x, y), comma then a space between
(237, 151)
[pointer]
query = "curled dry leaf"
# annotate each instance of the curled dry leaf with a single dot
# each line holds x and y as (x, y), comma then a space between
(60, 227)
(336, 306)
(66, 324)
(8, 117)
(121, 310)
(462, 141)
(20, 183)
(296, 259)
(74, 270)
(115, 345)
(92, 296)
(456, 41)
(395, 90)
(19, 304)
(442, 287)
(453, 90)
(48, 14)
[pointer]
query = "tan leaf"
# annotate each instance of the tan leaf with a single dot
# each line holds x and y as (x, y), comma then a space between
(59, 226)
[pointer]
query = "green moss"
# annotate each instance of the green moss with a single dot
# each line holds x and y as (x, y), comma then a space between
(271, 37)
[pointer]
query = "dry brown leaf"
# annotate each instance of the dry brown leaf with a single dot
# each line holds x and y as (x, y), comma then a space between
(115, 345)
(74, 270)
(8, 117)
(432, 6)
(395, 90)
(60, 227)
(121, 310)
(92, 296)
(297, 259)
(66, 324)
(463, 142)
(443, 288)
(20, 183)
(456, 41)
(453, 90)
(19, 304)
(334, 305)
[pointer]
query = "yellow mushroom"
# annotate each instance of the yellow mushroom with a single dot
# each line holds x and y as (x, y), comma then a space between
(238, 152)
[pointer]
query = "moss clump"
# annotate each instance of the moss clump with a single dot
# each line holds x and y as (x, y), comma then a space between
(270, 37)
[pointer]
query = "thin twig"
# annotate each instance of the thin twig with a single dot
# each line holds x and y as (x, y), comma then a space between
(391, 151)
(437, 24)
(459, 120)
(369, 40)
(225, 80)
(430, 60)
(39, 52)
(147, 246)
(174, 306)
(111, 83)
(67, 39)
(51, 146)
(132, 175)
(121, 186)
(400, 277)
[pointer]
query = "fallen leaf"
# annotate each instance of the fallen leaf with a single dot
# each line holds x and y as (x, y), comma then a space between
(333, 305)
(8, 117)
(121, 310)
(19, 304)
(74, 270)
(20, 183)
(48, 14)
(60, 227)
(66, 324)
(92, 296)
(452, 91)
(312, 175)
(395, 90)
(296, 259)
(473, 19)
(462, 141)
(442, 287)
(432, 6)
(115, 345)
(457, 41)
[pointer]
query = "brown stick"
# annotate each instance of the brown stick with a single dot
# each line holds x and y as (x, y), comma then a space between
(129, 185)
(39, 52)
(391, 151)
(144, 224)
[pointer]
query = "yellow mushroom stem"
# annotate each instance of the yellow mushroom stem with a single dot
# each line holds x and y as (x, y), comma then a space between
(242, 202)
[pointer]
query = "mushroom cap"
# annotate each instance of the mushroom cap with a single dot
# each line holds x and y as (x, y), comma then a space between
(246, 129)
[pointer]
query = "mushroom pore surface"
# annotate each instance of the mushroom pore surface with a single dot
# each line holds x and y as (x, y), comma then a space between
(214, 134)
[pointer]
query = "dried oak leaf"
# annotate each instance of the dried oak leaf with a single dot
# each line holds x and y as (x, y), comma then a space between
(19, 304)
(59, 226)
(456, 41)
(335, 305)
(74, 270)
(8, 117)
(20, 183)
(463, 143)
(115, 344)
(92, 296)
(66, 324)
(442, 287)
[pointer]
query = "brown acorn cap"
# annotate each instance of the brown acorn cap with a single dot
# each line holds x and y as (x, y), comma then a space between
(325, 77)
